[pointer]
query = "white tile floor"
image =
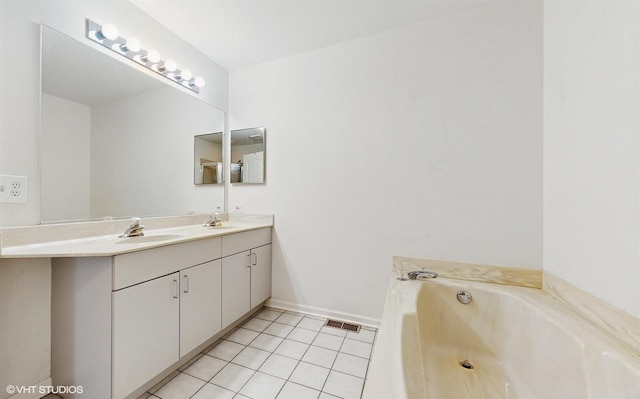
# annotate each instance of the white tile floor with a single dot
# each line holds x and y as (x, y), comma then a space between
(275, 355)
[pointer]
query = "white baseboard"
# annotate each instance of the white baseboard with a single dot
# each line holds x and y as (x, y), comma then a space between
(32, 395)
(314, 311)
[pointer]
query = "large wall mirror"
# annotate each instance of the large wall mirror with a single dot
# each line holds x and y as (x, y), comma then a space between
(116, 141)
(248, 155)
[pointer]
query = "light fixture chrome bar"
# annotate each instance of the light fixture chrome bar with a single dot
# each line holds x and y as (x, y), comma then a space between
(107, 36)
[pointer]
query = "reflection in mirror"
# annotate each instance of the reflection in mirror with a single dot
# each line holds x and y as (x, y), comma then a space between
(208, 160)
(116, 141)
(247, 155)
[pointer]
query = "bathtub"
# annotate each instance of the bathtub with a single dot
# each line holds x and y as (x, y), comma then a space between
(521, 342)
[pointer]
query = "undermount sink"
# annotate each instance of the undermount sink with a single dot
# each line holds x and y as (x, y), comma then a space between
(145, 239)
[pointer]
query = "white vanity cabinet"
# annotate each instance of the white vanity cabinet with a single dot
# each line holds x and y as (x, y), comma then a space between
(246, 273)
(121, 322)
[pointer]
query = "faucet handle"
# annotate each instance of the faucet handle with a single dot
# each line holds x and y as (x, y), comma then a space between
(134, 230)
(214, 221)
(136, 221)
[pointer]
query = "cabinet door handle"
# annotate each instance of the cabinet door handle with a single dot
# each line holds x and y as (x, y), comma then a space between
(255, 258)
(249, 259)
(176, 289)
(186, 284)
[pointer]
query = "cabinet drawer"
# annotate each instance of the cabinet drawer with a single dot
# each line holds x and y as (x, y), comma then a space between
(238, 242)
(136, 267)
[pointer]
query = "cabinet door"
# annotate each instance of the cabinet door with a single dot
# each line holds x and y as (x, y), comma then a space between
(200, 304)
(236, 287)
(145, 332)
(260, 275)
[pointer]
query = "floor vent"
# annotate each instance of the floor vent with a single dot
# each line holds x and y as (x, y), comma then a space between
(343, 326)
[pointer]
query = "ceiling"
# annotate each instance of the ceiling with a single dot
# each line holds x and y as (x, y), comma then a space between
(237, 33)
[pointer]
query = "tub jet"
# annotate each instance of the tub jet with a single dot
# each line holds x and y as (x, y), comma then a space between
(464, 297)
(466, 365)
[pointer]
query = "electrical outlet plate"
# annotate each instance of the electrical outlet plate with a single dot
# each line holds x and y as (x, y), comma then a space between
(13, 189)
(237, 208)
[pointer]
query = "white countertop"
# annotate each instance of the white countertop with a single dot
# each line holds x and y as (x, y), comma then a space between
(111, 244)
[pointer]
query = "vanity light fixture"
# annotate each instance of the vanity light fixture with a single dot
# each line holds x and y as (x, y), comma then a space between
(168, 65)
(131, 44)
(107, 36)
(152, 57)
(107, 31)
(185, 74)
(198, 82)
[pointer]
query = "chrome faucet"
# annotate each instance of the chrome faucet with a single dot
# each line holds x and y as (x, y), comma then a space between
(214, 221)
(135, 230)
(422, 274)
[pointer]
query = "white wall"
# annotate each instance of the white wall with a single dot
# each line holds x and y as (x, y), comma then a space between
(19, 102)
(65, 143)
(424, 141)
(146, 156)
(592, 147)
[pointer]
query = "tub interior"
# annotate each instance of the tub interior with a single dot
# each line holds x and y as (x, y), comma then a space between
(519, 343)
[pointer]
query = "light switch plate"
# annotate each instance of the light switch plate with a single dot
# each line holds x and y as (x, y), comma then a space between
(13, 189)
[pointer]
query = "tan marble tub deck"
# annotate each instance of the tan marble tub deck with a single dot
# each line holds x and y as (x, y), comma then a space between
(521, 277)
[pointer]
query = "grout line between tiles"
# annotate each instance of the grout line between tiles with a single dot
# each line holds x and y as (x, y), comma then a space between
(243, 385)
(200, 389)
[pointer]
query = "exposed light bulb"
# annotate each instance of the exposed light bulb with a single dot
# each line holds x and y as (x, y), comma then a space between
(132, 44)
(168, 65)
(152, 56)
(198, 82)
(185, 74)
(108, 31)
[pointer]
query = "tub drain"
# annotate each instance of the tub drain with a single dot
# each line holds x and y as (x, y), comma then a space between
(466, 365)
